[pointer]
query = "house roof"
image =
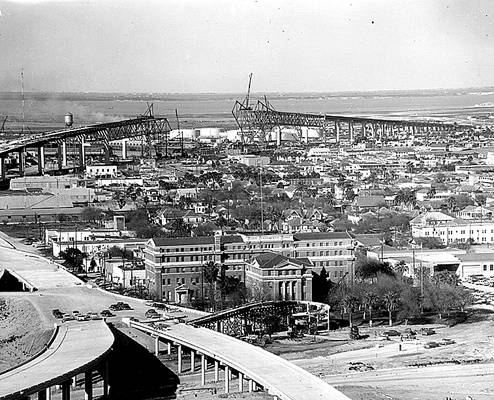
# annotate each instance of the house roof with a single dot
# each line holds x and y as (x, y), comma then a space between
(320, 236)
(369, 201)
(476, 257)
(271, 260)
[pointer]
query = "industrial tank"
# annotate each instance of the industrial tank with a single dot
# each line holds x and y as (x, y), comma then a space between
(69, 119)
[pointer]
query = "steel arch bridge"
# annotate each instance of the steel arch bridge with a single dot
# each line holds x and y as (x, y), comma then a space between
(257, 317)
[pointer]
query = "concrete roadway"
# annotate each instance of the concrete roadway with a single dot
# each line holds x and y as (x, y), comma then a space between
(280, 377)
(75, 348)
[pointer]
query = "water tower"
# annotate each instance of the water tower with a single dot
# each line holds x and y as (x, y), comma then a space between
(69, 119)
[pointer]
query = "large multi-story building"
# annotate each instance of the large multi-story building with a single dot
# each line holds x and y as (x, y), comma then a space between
(452, 230)
(174, 266)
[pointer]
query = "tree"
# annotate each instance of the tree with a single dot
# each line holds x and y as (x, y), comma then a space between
(370, 300)
(391, 300)
(400, 268)
(210, 272)
(260, 292)
(429, 242)
(73, 258)
(350, 303)
(445, 278)
(370, 269)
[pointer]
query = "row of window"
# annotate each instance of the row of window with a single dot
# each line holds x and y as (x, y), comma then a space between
(491, 267)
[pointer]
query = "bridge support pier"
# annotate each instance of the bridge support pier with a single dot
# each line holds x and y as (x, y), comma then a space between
(82, 153)
(45, 394)
(88, 385)
(157, 346)
(169, 348)
(124, 149)
(240, 382)
(66, 390)
(192, 360)
(62, 154)
(251, 385)
(41, 160)
(179, 362)
(227, 379)
(216, 370)
(106, 385)
(2, 168)
(22, 161)
(337, 130)
(204, 366)
(350, 131)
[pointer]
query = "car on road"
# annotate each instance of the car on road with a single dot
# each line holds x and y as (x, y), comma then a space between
(106, 313)
(119, 306)
(431, 345)
(67, 317)
(152, 313)
(391, 332)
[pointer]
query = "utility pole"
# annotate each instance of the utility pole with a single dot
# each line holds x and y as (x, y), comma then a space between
(262, 210)
(23, 101)
(181, 133)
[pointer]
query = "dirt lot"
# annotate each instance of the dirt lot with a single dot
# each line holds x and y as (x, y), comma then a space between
(405, 370)
(22, 333)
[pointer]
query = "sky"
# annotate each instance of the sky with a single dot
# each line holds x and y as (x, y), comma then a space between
(206, 46)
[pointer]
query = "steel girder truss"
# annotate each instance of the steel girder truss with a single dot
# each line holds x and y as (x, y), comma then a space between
(256, 122)
(253, 318)
(155, 131)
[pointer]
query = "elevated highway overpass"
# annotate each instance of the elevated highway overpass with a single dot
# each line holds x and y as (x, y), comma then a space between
(251, 365)
(258, 120)
(77, 348)
(81, 347)
(152, 129)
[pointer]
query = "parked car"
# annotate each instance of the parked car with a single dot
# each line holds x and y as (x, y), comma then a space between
(391, 332)
(431, 345)
(106, 313)
(67, 317)
(427, 331)
(152, 313)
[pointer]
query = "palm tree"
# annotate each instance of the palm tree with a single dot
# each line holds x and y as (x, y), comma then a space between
(210, 272)
(391, 300)
(350, 303)
(370, 300)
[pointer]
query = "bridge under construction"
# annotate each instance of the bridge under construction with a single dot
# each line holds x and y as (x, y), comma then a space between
(153, 131)
(262, 123)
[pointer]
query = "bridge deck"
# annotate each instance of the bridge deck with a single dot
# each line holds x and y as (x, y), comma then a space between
(278, 376)
(76, 347)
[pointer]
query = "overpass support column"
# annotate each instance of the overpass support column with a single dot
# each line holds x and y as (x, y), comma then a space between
(203, 369)
(124, 149)
(337, 130)
(22, 161)
(278, 137)
(62, 154)
(216, 370)
(106, 375)
(157, 346)
(240, 382)
(350, 131)
(169, 348)
(227, 379)
(251, 385)
(179, 363)
(45, 394)
(192, 360)
(2, 168)
(363, 130)
(41, 160)
(82, 153)
(88, 385)
(66, 390)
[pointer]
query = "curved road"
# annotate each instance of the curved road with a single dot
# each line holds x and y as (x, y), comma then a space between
(75, 348)
(280, 377)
